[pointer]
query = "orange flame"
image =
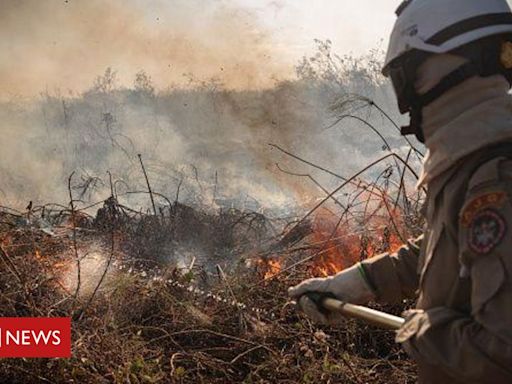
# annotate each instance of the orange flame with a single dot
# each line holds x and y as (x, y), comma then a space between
(340, 245)
(269, 267)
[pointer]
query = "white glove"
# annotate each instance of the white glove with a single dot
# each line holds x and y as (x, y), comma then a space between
(348, 286)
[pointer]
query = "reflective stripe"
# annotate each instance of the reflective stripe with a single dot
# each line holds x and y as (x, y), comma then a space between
(469, 25)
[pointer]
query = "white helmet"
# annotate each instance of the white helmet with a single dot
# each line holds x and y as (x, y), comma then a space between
(479, 30)
(439, 26)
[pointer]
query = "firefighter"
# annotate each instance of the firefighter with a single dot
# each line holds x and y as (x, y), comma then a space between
(450, 63)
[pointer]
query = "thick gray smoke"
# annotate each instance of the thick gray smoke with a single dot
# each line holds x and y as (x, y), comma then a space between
(215, 91)
(204, 141)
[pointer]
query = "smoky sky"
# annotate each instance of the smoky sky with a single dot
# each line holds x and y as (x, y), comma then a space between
(218, 69)
(63, 45)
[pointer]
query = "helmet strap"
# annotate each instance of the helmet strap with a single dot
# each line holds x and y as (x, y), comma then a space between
(414, 128)
(453, 79)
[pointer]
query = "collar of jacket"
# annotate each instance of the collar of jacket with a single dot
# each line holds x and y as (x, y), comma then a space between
(476, 114)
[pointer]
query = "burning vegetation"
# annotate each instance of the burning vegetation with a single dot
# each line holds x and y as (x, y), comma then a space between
(179, 294)
(189, 286)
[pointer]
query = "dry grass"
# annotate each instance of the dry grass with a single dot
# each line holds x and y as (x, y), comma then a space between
(140, 329)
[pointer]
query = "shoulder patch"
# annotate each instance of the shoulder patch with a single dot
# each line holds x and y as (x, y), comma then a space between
(486, 231)
(491, 199)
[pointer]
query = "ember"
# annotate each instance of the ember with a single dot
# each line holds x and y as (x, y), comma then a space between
(269, 267)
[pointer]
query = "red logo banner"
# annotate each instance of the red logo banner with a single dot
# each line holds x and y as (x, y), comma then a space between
(35, 337)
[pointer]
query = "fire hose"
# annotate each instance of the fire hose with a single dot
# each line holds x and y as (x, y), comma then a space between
(326, 303)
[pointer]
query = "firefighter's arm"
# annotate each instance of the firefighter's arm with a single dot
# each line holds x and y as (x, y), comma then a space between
(386, 278)
(475, 346)
(394, 277)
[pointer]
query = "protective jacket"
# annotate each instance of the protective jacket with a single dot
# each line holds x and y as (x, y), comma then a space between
(461, 268)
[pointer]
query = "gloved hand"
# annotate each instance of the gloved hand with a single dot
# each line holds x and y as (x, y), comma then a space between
(348, 286)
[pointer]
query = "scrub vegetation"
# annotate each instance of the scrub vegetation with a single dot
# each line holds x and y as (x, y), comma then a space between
(169, 224)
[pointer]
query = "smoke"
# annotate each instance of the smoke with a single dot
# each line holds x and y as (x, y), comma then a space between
(211, 92)
(65, 44)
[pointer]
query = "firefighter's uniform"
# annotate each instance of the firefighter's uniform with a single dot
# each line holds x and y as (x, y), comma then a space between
(461, 269)
(450, 63)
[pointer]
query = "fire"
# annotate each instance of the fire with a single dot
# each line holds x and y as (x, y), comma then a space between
(269, 267)
(338, 244)
(341, 245)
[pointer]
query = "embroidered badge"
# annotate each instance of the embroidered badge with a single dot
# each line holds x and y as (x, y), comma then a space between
(486, 231)
(494, 199)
